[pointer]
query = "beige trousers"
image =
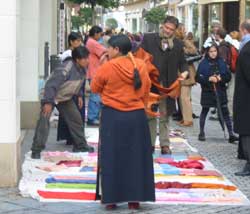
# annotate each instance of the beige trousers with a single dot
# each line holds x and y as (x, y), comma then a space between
(186, 105)
(163, 126)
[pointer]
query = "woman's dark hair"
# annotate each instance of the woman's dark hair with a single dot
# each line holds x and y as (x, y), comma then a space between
(222, 33)
(172, 20)
(124, 44)
(80, 53)
(213, 44)
(72, 37)
(95, 29)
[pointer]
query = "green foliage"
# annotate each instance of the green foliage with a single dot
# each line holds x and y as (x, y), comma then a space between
(155, 15)
(86, 15)
(111, 23)
(84, 18)
(93, 3)
(76, 22)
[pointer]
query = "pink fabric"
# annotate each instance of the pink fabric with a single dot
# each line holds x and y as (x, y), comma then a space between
(74, 178)
(70, 163)
(96, 52)
(52, 168)
(198, 172)
(186, 164)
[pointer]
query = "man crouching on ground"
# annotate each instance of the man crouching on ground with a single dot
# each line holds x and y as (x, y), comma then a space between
(64, 83)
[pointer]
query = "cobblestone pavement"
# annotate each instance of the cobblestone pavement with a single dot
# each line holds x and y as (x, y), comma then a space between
(216, 149)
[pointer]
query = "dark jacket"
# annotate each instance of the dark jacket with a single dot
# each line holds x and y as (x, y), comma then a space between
(168, 62)
(241, 106)
(64, 83)
(208, 68)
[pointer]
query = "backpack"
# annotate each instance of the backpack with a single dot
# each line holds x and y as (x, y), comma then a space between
(233, 58)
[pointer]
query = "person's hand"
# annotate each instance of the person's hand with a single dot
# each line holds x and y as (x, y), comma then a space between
(104, 58)
(213, 79)
(184, 75)
(218, 78)
(80, 102)
(47, 109)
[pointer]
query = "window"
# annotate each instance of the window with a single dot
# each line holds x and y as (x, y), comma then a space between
(247, 9)
(134, 25)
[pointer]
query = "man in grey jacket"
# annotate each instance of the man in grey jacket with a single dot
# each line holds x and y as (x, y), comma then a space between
(64, 83)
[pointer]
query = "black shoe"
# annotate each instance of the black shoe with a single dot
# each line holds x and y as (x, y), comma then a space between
(233, 139)
(195, 116)
(69, 143)
(245, 172)
(36, 155)
(87, 148)
(213, 118)
(93, 122)
(202, 137)
(213, 111)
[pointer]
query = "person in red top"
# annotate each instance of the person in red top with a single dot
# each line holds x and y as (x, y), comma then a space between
(126, 158)
(97, 56)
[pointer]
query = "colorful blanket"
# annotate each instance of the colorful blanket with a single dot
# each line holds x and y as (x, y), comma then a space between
(185, 177)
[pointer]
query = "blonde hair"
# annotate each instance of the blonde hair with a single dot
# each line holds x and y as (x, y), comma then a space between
(235, 35)
(179, 33)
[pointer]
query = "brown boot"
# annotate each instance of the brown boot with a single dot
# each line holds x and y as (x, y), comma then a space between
(111, 206)
(187, 124)
(165, 150)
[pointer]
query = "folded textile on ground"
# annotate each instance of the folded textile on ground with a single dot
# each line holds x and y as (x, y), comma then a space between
(70, 181)
(88, 169)
(70, 186)
(52, 168)
(70, 163)
(188, 164)
(179, 185)
(67, 195)
(198, 172)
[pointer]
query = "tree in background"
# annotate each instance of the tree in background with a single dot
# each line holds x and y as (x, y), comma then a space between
(155, 16)
(111, 23)
(93, 3)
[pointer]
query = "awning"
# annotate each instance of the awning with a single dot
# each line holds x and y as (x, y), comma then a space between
(187, 2)
(214, 1)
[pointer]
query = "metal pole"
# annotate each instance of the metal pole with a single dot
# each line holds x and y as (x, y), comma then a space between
(46, 60)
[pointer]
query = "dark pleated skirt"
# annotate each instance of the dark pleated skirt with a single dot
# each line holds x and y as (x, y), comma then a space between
(126, 157)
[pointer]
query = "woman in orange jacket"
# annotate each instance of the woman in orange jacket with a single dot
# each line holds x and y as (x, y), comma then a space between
(125, 152)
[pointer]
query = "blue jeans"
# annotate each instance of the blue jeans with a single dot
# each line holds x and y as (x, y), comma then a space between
(94, 107)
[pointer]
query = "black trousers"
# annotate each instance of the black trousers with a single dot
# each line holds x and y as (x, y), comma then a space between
(244, 147)
(73, 119)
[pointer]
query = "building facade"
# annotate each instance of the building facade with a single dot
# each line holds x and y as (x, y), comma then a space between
(230, 13)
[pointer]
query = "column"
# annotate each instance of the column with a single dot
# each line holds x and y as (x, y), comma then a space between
(28, 70)
(9, 102)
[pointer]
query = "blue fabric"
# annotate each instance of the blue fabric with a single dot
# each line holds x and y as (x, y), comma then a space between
(244, 41)
(170, 170)
(69, 181)
(87, 169)
(94, 107)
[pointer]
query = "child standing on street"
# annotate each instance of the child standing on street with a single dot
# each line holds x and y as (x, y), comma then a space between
(213, 75)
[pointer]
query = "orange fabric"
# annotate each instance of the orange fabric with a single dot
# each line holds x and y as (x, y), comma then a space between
(114, 81)
(96, 51)
(213, 186)
(173, 91)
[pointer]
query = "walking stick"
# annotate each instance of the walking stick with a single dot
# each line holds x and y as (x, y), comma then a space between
(219, 110)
